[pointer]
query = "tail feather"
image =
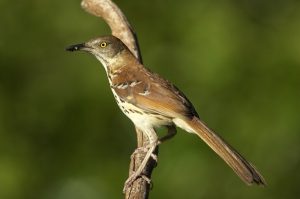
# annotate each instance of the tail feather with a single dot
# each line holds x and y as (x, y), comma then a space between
(245, 170)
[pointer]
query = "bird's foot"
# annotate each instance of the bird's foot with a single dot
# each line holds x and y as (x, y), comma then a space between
(138, 173)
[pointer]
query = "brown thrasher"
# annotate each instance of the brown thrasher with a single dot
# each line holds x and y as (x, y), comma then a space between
(151, 101)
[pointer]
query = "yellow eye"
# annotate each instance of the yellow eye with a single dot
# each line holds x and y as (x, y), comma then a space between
(103, 44)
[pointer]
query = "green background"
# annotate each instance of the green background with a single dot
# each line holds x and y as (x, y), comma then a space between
(62, 135)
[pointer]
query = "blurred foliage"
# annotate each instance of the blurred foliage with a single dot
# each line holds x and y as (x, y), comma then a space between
(62, 135)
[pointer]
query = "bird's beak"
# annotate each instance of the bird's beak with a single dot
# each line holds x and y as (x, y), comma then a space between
(77, 47)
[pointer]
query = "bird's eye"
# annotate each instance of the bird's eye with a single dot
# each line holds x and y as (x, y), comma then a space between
(103, 44)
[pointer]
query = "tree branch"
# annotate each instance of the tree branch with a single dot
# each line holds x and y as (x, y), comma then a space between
(121, 28)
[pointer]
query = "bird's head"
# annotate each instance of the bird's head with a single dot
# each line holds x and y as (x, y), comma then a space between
(103, 48)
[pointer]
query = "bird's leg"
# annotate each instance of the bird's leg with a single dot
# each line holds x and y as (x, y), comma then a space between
(170, 134)
(139, 171)
(150, 149)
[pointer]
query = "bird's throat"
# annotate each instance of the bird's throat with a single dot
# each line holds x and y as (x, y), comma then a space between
(120, 60)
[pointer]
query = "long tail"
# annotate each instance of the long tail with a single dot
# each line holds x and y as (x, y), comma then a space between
(237, 162)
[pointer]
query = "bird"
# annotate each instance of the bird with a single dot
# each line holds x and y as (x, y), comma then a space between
(151, 101)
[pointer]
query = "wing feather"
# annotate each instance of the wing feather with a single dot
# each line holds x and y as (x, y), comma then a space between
(153, 93)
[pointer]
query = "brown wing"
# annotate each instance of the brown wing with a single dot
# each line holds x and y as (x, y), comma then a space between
(152, 93)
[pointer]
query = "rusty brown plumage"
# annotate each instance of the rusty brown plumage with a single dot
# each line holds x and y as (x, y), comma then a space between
(165, 99)
(152, 93)
(151, 101)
